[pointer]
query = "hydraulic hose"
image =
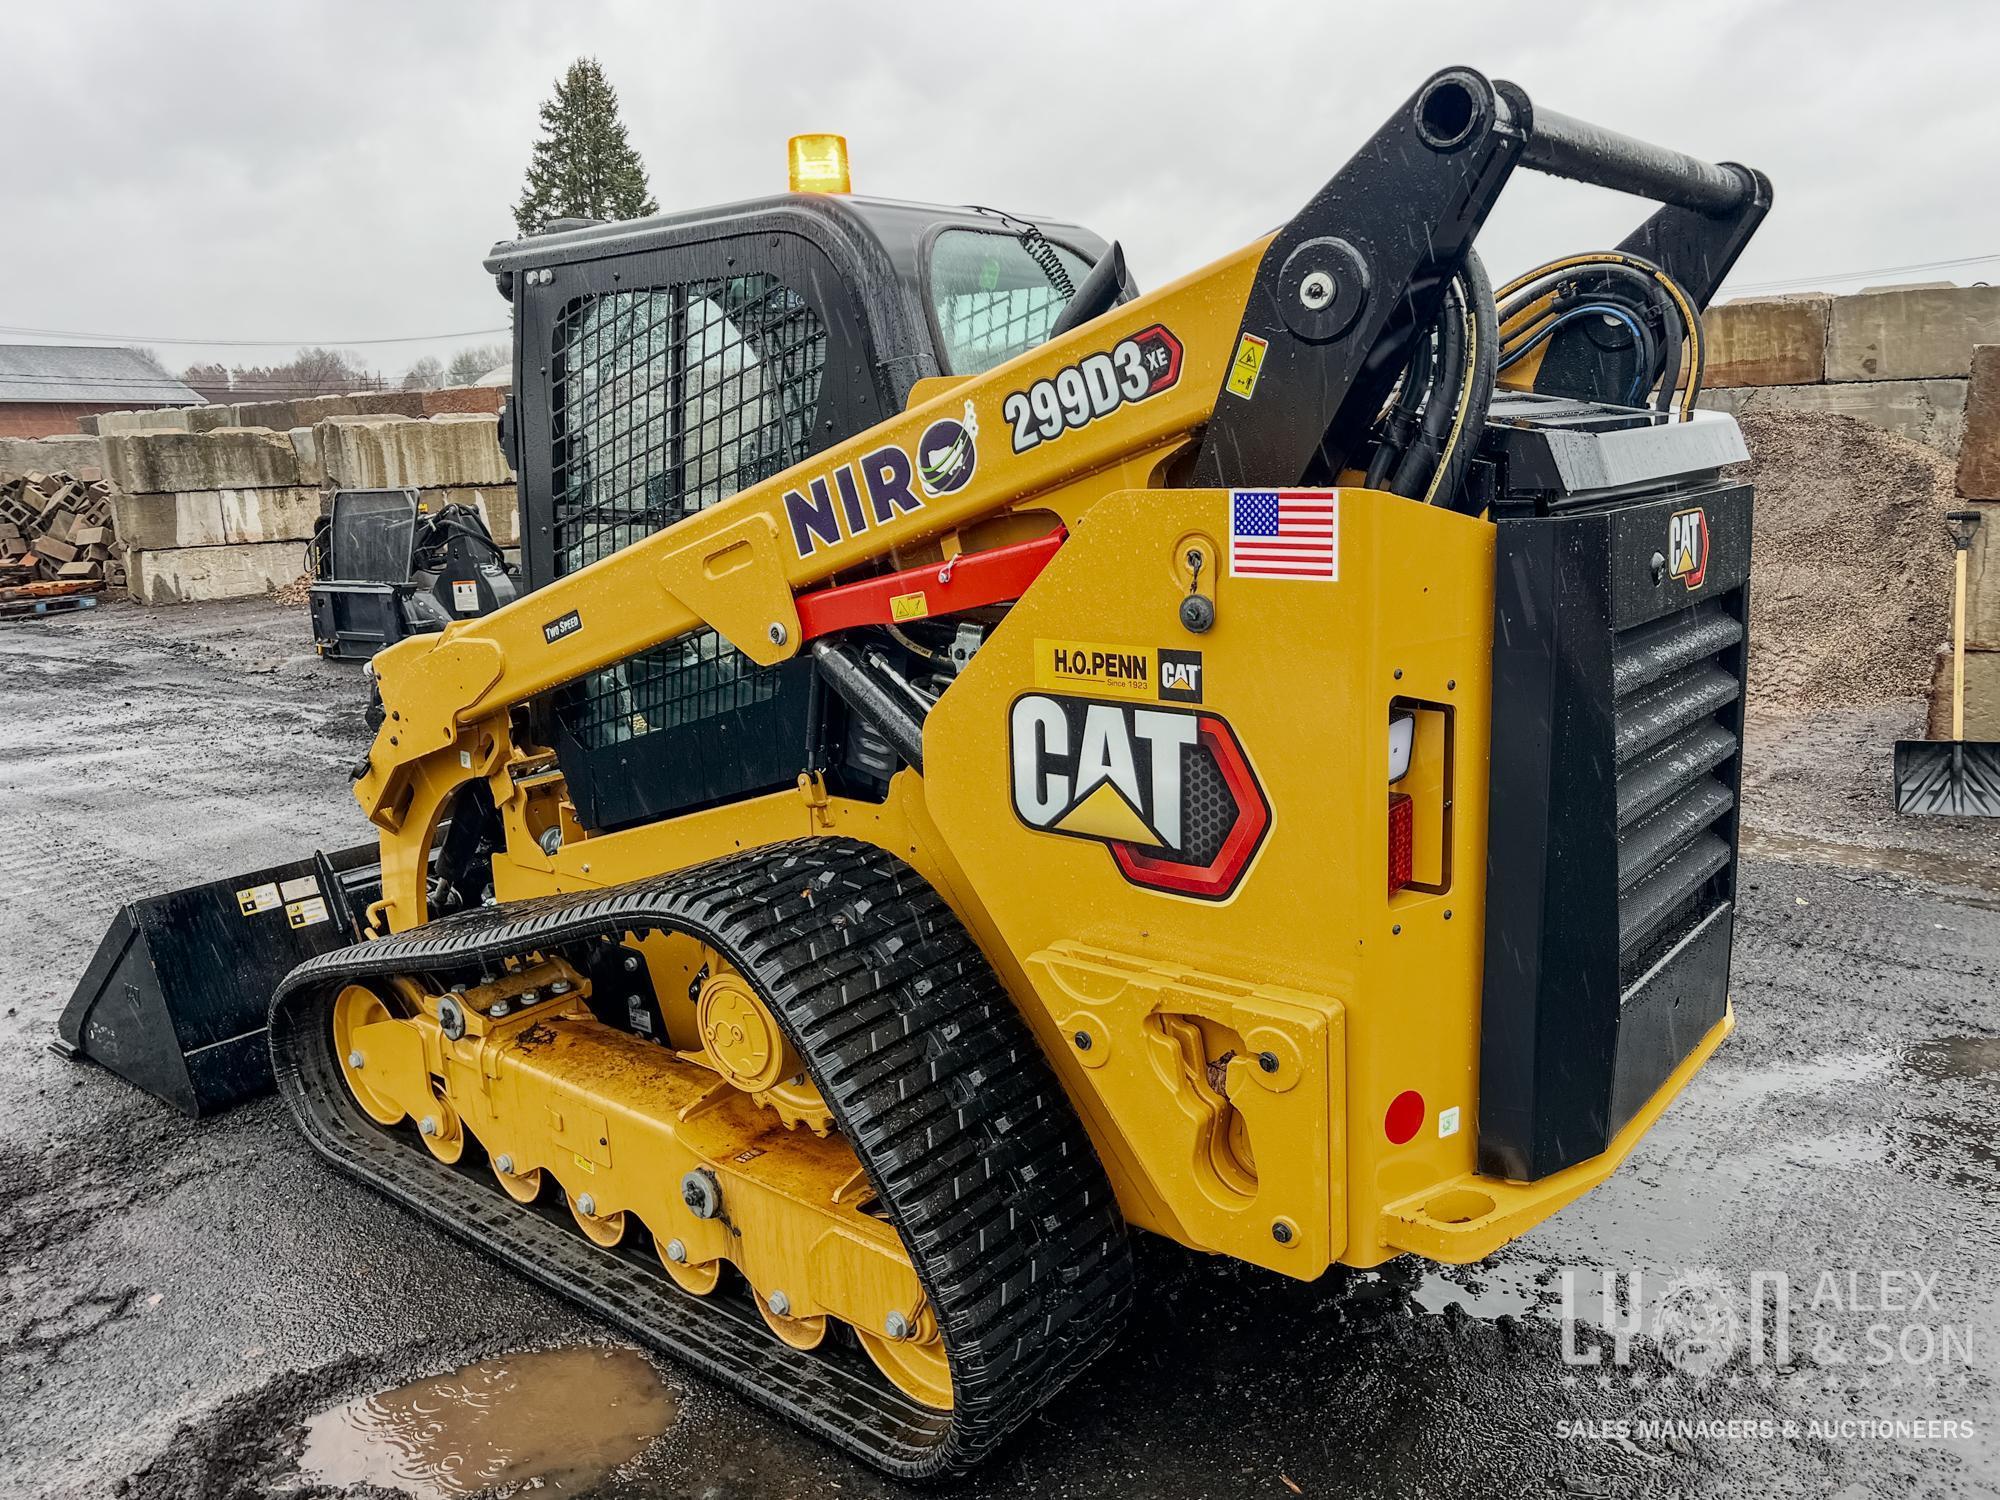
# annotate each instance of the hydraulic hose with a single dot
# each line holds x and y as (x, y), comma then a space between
(1448, 484)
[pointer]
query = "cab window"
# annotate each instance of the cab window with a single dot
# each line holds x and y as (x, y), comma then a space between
(994, 297)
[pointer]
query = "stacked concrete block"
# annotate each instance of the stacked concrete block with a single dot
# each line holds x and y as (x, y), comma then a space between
(1765, 341)
(51, 455)
(453, 450)
(299, 411)
(453, 459)
(1910, 333)
(1931, 412)
(1979, 491)
(210, 515)
(463, 398)
(1895, 357)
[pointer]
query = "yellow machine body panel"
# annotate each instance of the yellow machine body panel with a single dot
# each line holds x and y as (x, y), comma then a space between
(1274, 1045)
(1159, 1009)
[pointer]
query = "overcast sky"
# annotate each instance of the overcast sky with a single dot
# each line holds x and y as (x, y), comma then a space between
(329, 173)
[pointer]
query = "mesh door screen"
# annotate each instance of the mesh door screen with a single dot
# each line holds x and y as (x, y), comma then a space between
(665, 401)
(994, 298)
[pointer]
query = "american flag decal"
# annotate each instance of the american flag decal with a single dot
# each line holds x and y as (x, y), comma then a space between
(1284, 534)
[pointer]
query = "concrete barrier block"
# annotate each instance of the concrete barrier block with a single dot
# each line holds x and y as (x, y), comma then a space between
(1767, 341)
(184, 575)
(52, 455)
(1982, 578)
(1931, 412)
(88, 425)
(313, 409)
(457, 398)
(389, 404)
(1979, 454)
(208, 418)
(158, 419)
(386, 452)
(162, 521)
(1982, 696)
(215, 518)
(270, 515)
(306, 446)
(169, 463)
(1910, 333)
(279, 416)
(498, 506)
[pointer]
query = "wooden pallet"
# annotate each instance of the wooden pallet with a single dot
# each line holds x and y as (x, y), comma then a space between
(17, 609)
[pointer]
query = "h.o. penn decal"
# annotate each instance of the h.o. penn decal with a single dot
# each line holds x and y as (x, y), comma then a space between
(1169, 791)
(1687, 546)
(1094, 387)
(883, 484)
(1135, 672)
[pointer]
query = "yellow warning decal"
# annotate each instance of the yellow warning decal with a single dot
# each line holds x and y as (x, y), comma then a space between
(1107, 671)
(253, 899)
(1247, 366)
(909, 606)
(307, 912)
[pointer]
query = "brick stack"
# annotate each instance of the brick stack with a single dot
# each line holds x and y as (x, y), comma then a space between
(57, 536)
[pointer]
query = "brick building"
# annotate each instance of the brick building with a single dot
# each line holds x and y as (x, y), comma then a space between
(44, 388)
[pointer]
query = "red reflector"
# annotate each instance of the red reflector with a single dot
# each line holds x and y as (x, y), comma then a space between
(1402, 840)
(1405, 1117)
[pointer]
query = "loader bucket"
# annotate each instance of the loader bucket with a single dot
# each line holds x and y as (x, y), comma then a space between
(177, 998)
(1948, 778)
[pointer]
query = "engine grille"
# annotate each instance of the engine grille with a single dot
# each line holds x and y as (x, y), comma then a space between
(1675, 684)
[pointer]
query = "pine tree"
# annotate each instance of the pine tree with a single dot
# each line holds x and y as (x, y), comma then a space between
(583, 167)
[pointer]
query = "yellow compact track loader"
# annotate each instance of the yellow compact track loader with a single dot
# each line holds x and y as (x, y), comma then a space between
(991, 761)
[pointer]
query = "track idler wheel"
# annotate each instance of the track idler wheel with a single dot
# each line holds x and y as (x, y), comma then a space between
(916, 1367)
(603, 1232)
(800, 1333)
(522, 1187)
(357, 1006)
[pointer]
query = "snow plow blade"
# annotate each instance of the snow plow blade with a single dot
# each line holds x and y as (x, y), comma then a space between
(178, 996)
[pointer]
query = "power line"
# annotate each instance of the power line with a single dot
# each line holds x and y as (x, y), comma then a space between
(1922, 265)
(140, 338)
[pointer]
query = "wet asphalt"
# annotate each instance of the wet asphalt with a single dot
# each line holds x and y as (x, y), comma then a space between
(180, 1298)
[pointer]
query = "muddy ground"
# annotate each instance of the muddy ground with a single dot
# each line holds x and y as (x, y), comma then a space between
(179, 1299)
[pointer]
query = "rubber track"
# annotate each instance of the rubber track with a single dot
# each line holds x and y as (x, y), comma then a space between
(931, 1075)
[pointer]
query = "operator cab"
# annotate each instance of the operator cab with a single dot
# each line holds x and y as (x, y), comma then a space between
(662, 365)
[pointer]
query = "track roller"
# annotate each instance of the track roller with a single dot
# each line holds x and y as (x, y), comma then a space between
(891, 1159)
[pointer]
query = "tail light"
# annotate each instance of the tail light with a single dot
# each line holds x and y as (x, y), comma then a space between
(1402, 809)
(1402, 841)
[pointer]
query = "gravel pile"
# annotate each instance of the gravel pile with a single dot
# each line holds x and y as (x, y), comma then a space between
(297, 592)
(1850, 589)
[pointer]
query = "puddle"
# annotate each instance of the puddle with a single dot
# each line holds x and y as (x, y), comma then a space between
(1830, 1072)
(1503, 1289)
(1958, 1057)
(1919, 864)
(556, 1422)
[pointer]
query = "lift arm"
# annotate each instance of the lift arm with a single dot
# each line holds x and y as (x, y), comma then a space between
(1155, 391)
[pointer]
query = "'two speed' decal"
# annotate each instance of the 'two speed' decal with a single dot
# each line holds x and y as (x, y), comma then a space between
(1169, 791)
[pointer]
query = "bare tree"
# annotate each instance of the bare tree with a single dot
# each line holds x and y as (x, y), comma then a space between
(427, 374)
(474, 361)
(312, 372)
(210, 381)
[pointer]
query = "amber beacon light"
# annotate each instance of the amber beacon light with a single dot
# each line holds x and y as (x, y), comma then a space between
(819, 164)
